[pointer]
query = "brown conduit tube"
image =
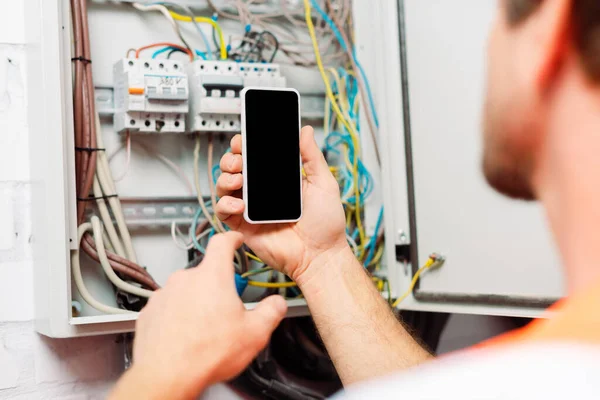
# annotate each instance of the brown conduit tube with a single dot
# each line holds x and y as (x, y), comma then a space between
(120, 265)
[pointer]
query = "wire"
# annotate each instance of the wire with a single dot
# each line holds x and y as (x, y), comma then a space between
(165, 11)
(191, 245)
(153, 152)
(205, 20)
(127, 160)
(353, 244)
(108, 188)
(253, 257)
(371, 244)
(341, 37)
(430, 263)
(78, 278)
(112, 276)
(272, 285)
(207, 215)
(211, 183)
(256, 272)
(115, 241)
(187, 51)
(195, 239)
(190, 13)
(336, 108)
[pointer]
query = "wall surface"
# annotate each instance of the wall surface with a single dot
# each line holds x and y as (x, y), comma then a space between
(32, 366)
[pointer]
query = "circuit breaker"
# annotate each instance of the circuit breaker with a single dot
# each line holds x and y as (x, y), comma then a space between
(151, 96)
(215, 87)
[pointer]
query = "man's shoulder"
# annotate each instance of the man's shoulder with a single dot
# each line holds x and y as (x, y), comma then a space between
(540, 370)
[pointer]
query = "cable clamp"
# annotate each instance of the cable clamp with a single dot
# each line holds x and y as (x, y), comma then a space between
(92, 198)
(89, 149)
(81, 59)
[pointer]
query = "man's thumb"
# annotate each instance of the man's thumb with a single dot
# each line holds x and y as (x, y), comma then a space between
(312, 158)
(265, 318)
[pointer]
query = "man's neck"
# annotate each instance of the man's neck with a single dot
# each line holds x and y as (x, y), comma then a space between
(568, 179)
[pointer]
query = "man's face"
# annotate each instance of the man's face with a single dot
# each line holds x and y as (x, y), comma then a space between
(510, 125)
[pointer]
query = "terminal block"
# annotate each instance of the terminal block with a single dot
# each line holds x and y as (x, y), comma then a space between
(151, 96)
(215, 86)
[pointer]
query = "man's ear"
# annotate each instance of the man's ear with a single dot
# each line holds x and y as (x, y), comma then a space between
(546, 38)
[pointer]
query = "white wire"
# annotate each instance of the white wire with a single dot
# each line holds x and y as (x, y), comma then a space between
(108, 187)
(110, 273)
(115, 241)
(352, 244)
(78, 278)
(183, 245)
(209, 217)
(127, 159)
(170, 163)
(107, 243)
(165, 11)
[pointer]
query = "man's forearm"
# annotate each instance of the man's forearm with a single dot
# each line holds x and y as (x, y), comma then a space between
(361, 333)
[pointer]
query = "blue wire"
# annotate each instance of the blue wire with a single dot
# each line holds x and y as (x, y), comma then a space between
(340, 39)
(165, 49)
(160, 51)
(200, 31)
(206, 42)
(194, 226)
(373, 240)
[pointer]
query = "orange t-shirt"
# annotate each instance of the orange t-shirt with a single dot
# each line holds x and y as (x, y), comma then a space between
(574, 319)
(555, 358)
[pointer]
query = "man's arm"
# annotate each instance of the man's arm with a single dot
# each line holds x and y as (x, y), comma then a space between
(359, 329)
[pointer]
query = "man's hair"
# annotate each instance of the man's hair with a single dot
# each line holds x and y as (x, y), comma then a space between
(586, 23)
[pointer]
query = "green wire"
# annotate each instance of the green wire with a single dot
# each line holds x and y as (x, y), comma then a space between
(256, 272)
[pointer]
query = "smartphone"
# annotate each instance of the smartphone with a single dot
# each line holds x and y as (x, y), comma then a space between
(271, 154)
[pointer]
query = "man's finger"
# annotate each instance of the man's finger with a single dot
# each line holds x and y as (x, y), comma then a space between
(229, 183)
(313, 160)
(229, 205)
(262, 321)
(236, 144)
(231, 163)
(220, 251)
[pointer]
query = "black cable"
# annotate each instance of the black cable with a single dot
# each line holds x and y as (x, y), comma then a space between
(175, 51)
(276, 43)
(214, 37)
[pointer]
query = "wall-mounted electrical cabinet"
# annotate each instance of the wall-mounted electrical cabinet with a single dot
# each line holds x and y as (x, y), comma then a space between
(426, 74)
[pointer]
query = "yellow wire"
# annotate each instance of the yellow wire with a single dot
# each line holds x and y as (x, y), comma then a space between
(377, 256)
(253, 257)
(272, 285)
(338, 112)
(400, 299)
(205, 20)
(256, 272)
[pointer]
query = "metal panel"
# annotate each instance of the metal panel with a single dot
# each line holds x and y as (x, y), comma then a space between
(499, 251)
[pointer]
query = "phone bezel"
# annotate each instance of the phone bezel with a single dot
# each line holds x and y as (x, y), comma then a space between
(245, 176)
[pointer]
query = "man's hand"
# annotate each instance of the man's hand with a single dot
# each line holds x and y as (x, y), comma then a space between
(195, 331)
(290, 248)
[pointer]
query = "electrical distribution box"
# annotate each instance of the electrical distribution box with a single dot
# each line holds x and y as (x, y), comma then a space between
(407, 49)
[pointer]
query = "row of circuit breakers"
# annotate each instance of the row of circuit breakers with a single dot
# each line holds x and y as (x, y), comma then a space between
(167, 96)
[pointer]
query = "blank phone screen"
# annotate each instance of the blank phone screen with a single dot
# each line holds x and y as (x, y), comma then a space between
(272, 169)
